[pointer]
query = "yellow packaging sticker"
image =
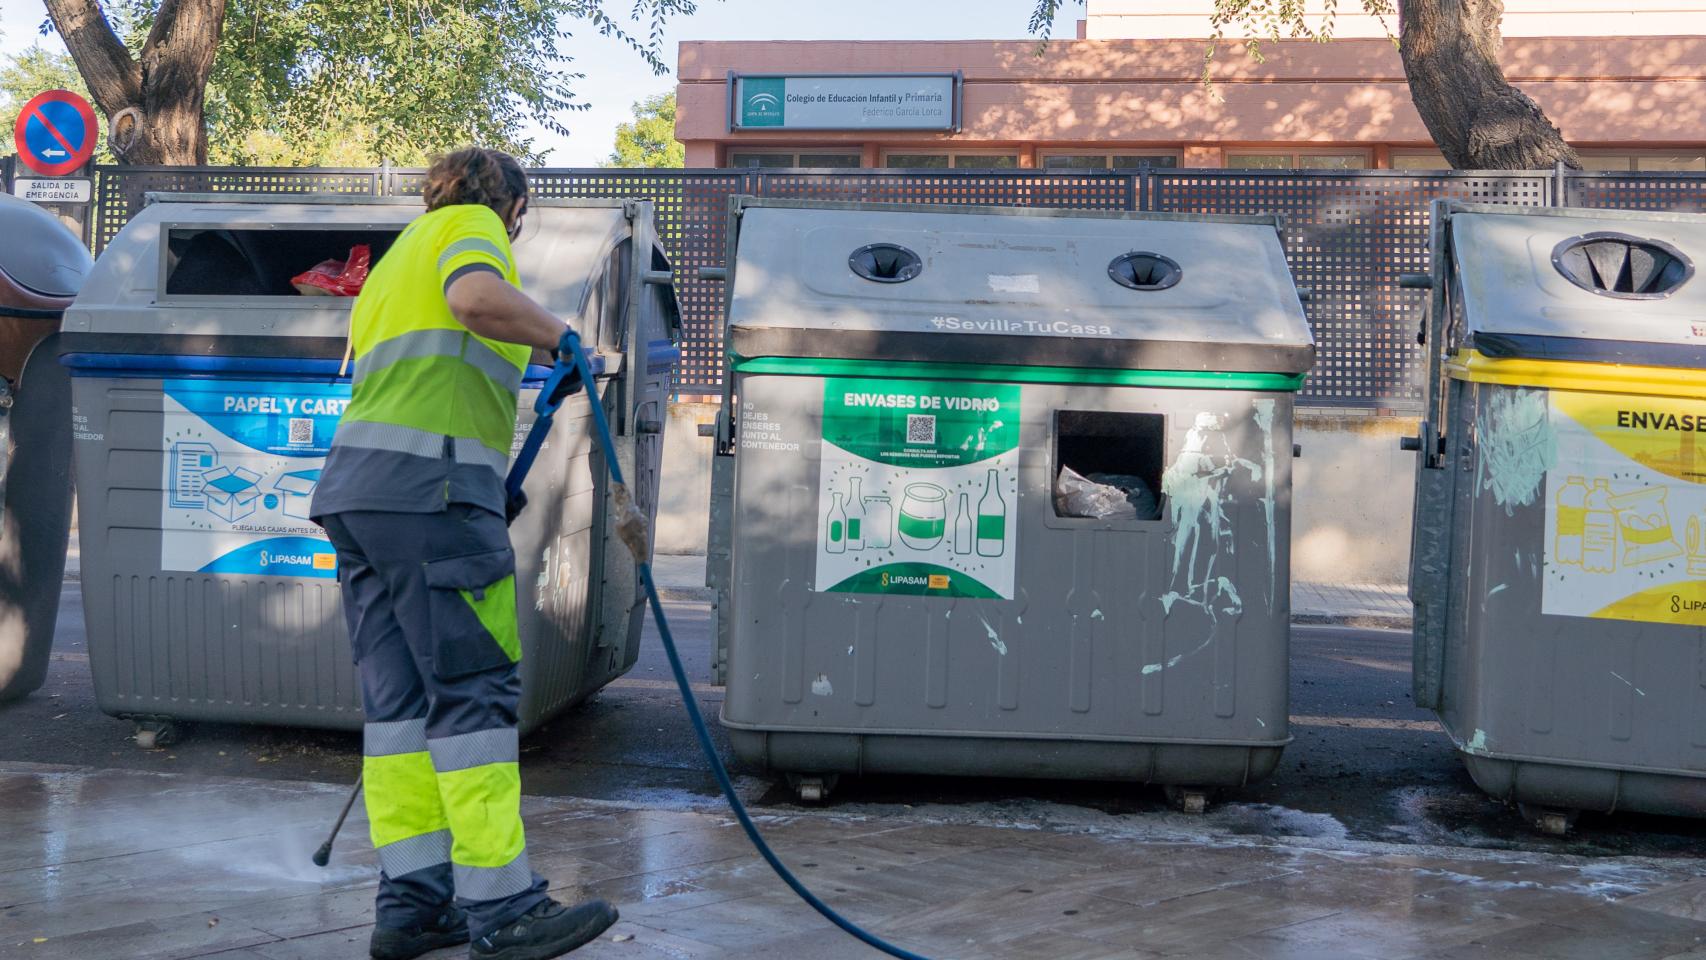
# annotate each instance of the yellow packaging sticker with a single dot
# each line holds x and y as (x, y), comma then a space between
(938, 581)
(1626, 509)
(325, 561)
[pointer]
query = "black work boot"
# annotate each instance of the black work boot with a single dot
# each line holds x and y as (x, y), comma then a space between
(448, 929)
(548, 930)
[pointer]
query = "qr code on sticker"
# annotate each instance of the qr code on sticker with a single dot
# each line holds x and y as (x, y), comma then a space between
(301, 431)
(920, 428)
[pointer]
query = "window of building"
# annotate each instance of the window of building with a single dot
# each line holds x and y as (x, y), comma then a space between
(1107, 161)
(1297, 161)
(957, 160)
(1420, 160)
(795, 158)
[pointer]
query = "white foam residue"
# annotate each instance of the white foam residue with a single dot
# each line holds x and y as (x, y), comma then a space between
(1516, 448)
(1097, 614)
(850, 650)
(1260, 723)
(1496, 590)
(821, 686)
(1477, 743)
(994, 638)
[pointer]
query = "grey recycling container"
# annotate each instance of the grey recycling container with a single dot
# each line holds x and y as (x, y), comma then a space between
(207, 392)
(1559, 558)
(41, 269)
(1008, 493)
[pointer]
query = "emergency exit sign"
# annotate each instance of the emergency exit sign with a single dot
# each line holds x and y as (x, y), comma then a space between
(888, 101)
(54, 190)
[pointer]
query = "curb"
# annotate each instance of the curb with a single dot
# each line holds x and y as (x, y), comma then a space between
(1374, 622)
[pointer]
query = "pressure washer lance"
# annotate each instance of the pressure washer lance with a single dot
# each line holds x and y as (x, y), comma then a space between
(323, 855)
(633, 530)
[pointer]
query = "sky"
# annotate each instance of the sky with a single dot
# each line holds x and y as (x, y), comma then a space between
(616, 77)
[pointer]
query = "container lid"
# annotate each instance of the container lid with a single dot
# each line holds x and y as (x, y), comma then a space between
(1582, 285)
(45, 259)
(1015, 286)
(561, 255)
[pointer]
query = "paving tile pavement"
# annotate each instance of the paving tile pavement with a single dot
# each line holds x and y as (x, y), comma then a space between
(103, 865)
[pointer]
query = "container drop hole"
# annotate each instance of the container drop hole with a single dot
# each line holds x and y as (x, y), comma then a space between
(257, 263)
(1107, 466)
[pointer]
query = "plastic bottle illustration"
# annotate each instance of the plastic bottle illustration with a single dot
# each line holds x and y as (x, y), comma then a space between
(855, 515)
(1599, 530)
(836, 527)
(1572, 515)
(962, 525)
(879, 523)
(991, 519)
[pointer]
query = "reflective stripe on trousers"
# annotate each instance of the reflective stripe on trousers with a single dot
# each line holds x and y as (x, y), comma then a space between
(479, 780)
(406, 817)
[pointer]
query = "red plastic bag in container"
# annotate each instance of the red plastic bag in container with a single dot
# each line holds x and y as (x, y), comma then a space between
(336, 278)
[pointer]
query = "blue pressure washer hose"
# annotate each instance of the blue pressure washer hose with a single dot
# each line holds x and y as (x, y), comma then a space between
(631, 527)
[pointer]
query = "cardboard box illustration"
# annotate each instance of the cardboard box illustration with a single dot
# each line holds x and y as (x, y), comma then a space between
(231, 496)
(296, 492)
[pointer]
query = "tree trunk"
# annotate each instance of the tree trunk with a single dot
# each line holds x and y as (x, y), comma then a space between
(153, 103)
(1478, 120)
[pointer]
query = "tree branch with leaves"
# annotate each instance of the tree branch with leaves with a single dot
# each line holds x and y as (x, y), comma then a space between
(1450, 50)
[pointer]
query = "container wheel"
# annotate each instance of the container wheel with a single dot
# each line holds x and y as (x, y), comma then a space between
(154, 734)
(813, 788)
(1193, 800)
(1548, 820)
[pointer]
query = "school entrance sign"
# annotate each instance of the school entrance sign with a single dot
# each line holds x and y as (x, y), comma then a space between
(888, 101)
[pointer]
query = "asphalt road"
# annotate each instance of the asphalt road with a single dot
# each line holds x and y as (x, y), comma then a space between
(1366, 763)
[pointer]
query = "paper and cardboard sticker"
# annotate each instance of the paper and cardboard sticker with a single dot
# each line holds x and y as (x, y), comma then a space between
(918, 488)
(1626, 509)
(242, 462)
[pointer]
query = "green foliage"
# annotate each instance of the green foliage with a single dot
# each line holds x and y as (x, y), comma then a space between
(360, 82)
(28, 73)
(649, 140)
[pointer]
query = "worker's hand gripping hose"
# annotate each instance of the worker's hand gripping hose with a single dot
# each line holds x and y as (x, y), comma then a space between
(632, 528)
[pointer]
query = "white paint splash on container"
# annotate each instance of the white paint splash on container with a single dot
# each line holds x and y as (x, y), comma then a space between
(821, 686)
(1265, 420)
(1477, 743)
(1516, 446)
(994, 638)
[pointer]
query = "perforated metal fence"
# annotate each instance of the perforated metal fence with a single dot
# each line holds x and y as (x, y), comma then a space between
(1349, 234)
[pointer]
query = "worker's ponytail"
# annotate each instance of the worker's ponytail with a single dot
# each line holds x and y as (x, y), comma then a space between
(475, 175)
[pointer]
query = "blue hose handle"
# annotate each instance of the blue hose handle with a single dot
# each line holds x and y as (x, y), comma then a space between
(569, 356)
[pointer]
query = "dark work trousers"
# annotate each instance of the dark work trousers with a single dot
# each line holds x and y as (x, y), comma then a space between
(430, 599)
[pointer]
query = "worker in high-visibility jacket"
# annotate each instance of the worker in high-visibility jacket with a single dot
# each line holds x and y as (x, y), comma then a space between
(412, 497)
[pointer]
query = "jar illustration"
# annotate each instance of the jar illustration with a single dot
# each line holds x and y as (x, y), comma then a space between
(879, 522)
(923, 515)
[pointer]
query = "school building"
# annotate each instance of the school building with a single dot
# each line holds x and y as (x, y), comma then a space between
(1625, 80)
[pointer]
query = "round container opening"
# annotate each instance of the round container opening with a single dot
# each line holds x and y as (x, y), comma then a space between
(885, 263)
(1622, 266)
(1144, 271)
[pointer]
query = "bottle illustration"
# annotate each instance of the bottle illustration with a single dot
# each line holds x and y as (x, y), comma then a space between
(991, 519)
(1572, 514)
(962, 525)
(923, 515)
(879, 523)
(1599, 530)
(836, 524)
(855, 515)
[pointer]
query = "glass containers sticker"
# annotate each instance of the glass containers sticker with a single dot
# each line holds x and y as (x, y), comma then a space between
(918, 488)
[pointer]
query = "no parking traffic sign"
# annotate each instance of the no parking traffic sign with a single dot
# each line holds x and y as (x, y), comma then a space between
(56, 133)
